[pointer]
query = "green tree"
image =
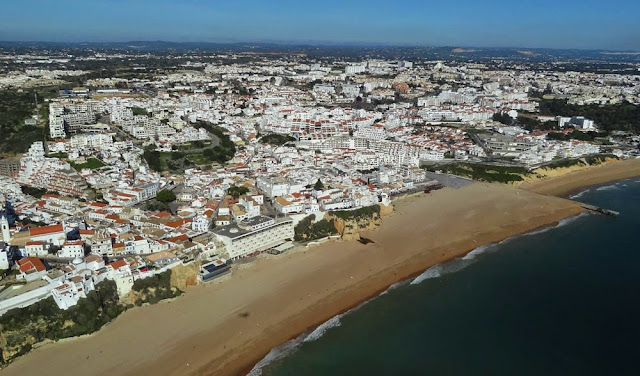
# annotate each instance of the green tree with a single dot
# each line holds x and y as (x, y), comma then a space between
(318, 186)
(165, 196)
(236, 192)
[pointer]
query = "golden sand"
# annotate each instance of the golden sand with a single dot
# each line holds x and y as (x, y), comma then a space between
(225, 327)
(565, 181)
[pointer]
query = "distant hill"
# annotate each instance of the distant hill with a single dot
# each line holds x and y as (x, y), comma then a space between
(351, 50)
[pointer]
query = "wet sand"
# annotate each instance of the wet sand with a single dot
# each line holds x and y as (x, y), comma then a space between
(225, 327)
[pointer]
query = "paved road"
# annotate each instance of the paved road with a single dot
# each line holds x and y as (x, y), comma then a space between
(449, 181)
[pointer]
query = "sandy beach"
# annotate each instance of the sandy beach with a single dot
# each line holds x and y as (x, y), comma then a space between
(574, 181)
(225, 327)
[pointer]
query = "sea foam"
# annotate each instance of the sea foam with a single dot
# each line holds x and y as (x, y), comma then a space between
(277, 353)
(393, 287)
(289, 347)
(579, 194)
(435, 271)
(607, 187)
(460, 263)
(432, 272)
(319, 331)
(478, 251)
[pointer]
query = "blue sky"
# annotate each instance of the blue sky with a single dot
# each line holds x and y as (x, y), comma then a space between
(584, 24)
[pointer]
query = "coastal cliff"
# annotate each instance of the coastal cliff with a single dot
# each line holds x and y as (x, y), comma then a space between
(350, 223)
(561, 169)
(23, 328)
(183, 276)
(152, 289)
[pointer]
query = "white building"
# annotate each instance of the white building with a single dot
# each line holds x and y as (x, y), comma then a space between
(4, 259)
(72, 249)
(4, 229)
(54, 234)
(200, 223)
(254, 235)
(35, 249)
(70, 291)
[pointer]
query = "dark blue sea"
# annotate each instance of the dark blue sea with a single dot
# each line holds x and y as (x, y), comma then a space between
(562, 301)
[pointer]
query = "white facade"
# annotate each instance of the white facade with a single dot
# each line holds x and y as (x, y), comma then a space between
(254, 235)
(35, 249)
(72, 250)
(200, 223)
(4, 227)
(4, 260)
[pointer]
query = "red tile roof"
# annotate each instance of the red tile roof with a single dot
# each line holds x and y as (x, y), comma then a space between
(31, 263)
(118, 264)
(77, 242)
(179, 238)
(46, 230)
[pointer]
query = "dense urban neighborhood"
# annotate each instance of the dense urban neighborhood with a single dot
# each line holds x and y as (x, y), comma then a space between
(119, 165)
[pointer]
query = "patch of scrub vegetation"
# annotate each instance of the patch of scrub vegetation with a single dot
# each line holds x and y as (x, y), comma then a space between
(366, 212)
(21, 328)
(482, 172)
(307, 229)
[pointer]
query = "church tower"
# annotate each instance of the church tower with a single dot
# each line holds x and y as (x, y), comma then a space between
(4, 227)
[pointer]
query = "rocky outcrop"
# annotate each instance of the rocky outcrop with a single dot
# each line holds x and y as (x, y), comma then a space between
(350, 223)
(386, 210)
(23, 328)
(153, 289)
(183, 276)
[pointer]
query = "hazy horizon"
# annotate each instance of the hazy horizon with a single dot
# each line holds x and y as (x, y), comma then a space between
(543, 24)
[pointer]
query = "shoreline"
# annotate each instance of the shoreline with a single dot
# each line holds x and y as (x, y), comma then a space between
(575, 181)
(402, 281)
(200, 340)
(412, 267)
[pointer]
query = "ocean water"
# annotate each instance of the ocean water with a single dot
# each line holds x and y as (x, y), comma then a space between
(561, 301)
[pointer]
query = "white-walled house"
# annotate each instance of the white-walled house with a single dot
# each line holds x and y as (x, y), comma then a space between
(35, 249)
(31, 269)
(120, 272)
(200, 223)
(72, 249)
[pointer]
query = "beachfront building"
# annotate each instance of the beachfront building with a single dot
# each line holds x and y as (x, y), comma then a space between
(120, 272)
(254, 235)
(67, 293)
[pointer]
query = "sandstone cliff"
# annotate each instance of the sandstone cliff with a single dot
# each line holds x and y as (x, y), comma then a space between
(183, 276)
(350, 224)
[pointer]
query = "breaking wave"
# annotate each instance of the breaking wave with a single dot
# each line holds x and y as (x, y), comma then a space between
(460, 263)
(566, 221)
(607, 187)
(478, 251)
(393, 287)
(436, 271)
(277, 353)
(289, 347)
(433, 272)
(319, 331)
(579, 194)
